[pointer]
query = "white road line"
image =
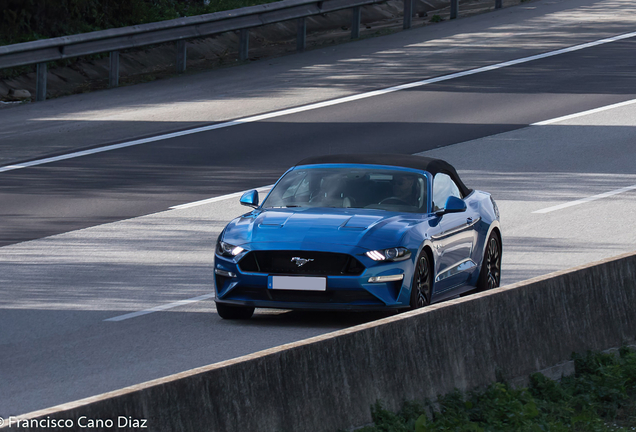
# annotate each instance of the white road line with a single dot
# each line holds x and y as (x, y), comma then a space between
(326, 104)
(314, 106)
(585, 200)
(262, 188)
(584, 113)
(194, 299)
(161, 308)
(215, 199)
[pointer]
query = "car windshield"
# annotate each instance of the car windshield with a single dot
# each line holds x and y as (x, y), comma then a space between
(384, 189)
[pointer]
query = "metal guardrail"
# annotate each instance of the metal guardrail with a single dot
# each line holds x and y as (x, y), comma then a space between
(181, 29)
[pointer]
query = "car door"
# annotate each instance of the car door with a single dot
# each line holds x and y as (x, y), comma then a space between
(454, 238)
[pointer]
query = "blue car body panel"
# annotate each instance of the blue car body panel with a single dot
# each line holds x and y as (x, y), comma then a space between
(456, 241)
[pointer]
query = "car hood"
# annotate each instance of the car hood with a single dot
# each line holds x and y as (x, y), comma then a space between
(302, 228)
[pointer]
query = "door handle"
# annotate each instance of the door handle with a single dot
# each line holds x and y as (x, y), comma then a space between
(472, 221)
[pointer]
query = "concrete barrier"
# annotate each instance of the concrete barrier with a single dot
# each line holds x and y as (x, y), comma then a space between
(329, 382)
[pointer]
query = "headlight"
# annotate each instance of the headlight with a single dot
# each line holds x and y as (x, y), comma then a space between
(391, 254)
(228, 250)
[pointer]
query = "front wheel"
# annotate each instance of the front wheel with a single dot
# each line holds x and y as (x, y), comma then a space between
(422, 286)
(490, 274)
(234, 312)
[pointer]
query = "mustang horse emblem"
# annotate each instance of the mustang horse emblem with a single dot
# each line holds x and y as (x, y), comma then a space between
(300, 261)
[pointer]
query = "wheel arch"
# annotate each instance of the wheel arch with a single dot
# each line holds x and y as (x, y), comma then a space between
(497, 232)
(427, 248)
(493, 229)
(431, 260)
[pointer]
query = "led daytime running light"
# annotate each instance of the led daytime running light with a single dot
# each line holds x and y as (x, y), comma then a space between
(376, 256)
(228, 250)
(390, 254)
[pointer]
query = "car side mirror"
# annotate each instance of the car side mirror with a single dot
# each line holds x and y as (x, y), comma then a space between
(453, 205)
(250, 199)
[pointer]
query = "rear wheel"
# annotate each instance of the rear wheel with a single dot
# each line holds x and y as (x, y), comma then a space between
(234, 312)
(422, 286)
(490, 274)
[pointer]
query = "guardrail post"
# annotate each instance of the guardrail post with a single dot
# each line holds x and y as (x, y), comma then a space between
(408, 14)
(498, 4)
(40, 82)
(113, 76)
(301, 34)
(181, 56)
(355, 23)
(454, 8)
(244, 44)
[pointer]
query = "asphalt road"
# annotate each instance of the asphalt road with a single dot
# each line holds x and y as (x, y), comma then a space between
(77, 193)
(129, 112)
(57, 291)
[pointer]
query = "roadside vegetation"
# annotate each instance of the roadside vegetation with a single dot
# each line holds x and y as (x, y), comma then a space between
(27, 20)
(600, 396)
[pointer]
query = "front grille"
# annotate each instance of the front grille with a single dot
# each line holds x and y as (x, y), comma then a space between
(335, 296)
(280, 262)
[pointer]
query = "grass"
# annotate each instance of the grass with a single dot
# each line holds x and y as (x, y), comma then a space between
(599, 397)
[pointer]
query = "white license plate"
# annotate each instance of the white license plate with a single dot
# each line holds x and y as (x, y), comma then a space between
(298, 283)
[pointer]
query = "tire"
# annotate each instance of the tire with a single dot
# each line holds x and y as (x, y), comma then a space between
(234, 312)
(422, 285)
(490, 274)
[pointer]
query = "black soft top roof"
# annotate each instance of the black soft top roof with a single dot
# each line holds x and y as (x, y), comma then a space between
(431, 165)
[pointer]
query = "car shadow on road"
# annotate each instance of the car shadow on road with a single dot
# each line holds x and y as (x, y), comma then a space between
(324, 319)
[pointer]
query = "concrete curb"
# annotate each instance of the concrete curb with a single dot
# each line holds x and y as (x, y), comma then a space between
(328, 382)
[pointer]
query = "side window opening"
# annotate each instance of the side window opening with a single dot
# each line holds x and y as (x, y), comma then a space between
(443, 187)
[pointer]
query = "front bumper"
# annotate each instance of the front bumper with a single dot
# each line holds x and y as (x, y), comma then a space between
(342, 292)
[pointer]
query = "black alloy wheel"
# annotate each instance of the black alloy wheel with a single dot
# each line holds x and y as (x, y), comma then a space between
(234, 312)
(422, 286)
(490, 274)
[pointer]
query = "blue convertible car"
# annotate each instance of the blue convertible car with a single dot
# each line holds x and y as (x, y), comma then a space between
(358, 232)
